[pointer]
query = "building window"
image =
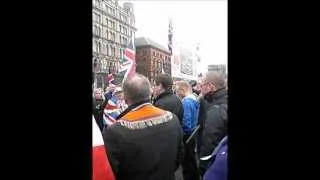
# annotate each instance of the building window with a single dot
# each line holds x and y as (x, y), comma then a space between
(106, 49)
(96, 3)
(94, 46)
(153, 53)
(112, 11)
(125, 40)
(98, 18)
(109, 36)
(113, 53)
(99, 47)
(109, 50)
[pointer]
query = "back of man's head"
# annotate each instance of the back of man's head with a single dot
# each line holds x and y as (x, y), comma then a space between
(183, 88)
(193, 83)
(184, 85)
(137, 88)
(165, 80)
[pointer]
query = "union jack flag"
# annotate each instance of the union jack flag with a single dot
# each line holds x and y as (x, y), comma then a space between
(128, 62)
(110, 78)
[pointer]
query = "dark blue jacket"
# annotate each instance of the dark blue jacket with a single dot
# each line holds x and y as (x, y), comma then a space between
(219, 168)
(108, 95)
(190, 113)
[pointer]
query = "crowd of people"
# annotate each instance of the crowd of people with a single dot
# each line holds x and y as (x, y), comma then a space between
(162, 131)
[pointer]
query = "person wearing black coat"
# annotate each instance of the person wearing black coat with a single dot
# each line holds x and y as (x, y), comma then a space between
(97, 108)
(214, 118)
(165, 98)
(146, 142)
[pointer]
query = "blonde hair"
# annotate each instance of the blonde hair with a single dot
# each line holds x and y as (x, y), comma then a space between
(183, 85)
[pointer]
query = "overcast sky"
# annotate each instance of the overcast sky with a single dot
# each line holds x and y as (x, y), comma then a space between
(193, 21)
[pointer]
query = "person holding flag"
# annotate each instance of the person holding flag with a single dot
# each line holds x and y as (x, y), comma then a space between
(113, 107)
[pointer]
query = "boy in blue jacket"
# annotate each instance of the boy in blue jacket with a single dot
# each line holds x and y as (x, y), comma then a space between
(189, 122)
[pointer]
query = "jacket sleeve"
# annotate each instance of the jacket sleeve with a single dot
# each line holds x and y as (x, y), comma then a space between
(180, 155)
(213, 131)
(113, 148)
(186, 120)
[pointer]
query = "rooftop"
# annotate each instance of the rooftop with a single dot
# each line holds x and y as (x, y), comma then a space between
(144, 41)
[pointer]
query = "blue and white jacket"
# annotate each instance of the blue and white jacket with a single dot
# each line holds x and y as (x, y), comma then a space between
(190, 113)
(219, 167)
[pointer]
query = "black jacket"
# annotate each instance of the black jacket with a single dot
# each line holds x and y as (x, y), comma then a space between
(214, 122)
(170, 102)
(146, 149)
(97, 111)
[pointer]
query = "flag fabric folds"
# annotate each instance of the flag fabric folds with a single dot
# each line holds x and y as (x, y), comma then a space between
(101, 169)
(128, 61)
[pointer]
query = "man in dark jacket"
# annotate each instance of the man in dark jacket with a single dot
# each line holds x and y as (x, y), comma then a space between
(97, 108)
(145, 143)
(214, 120)
(164, 97)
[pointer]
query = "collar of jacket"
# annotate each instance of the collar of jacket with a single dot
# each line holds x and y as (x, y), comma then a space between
(191, 96)
(211, 96)
(166, 93)
(131, 107)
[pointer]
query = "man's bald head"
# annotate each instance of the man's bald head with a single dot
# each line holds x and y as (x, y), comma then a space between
(216, 79)
(137, 88)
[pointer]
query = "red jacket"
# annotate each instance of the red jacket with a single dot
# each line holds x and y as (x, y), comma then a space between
(101, 169)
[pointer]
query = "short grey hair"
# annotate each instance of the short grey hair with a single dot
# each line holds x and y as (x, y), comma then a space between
(216, 78)
(137, 88)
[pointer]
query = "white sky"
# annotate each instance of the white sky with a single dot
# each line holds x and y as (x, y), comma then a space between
(193, 21)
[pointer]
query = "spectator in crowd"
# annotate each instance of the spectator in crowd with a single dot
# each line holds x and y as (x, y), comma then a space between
(218, 170)
(189, 122)
(109, 93)
(214, 122)
(146, 142)
(114, 107)
(97, 108)
(195, 90)
(164, 97)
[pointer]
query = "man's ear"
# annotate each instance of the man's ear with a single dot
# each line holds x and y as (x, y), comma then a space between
(213, 87)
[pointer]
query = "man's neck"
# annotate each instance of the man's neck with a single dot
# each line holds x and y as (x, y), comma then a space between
(188, 94)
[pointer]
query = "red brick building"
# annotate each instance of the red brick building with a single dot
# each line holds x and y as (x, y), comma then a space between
(151, 58)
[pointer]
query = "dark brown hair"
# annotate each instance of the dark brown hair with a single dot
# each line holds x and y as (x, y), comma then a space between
(165, 80)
